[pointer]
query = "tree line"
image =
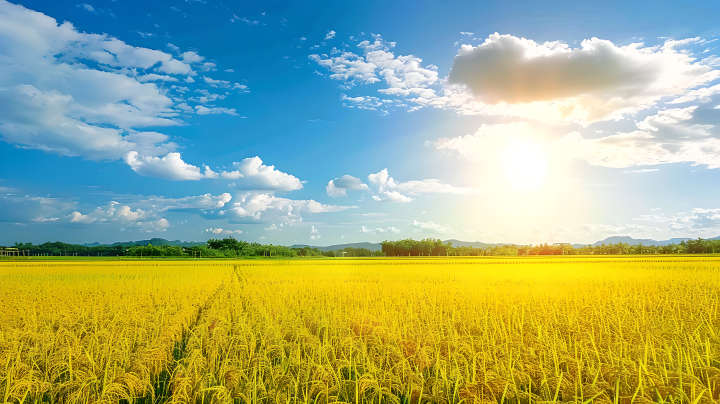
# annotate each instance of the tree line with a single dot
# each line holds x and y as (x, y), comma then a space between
(435, 247)
(214, 248)
(232, 248)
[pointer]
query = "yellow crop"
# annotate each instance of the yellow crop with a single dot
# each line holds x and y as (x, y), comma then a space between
(377, 330)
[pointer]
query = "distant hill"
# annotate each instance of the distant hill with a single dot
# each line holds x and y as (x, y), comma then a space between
(473, 244)
(369, 246)
(153, 241)
(378, 246)
(644, 241)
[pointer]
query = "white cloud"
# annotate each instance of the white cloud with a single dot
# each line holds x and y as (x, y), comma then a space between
(79, 94)
(38, 210)
(155, 77)
(313, 230)
(701, 94)
(126, 213)
(668, 137)
(77, 217)
(87, 7)
(191, 57)
(644, 170)
(597, 81)
(261, 206)
(224, 84)
(391, 196)
(202, 110)
(160, 224)
(403, 75)
(511, 76)
(45, 220)
(488, 140)
(253, 174)
(222, 231)
(431, 227)
(379, 230)
(339, 186)
(427, 186)
(330, 35)
(206, 202)
(170, 167)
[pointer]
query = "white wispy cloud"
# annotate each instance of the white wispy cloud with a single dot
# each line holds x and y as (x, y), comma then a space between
(379, 230)
(220, 230)
(256, 206)
(385, 182)
(431, 227)
(670, 136)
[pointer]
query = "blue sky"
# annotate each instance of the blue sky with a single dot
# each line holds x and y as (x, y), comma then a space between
(332, 122)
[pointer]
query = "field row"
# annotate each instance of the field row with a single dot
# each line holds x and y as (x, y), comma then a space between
(446, 331)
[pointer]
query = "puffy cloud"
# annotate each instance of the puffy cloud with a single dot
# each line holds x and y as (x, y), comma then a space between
(191, 57)
(77, 217)
(431, 227)
(170, 167)
(78, 94)
(160, 224)
(597, 81)
(126, 213)
(670, 136)
(339, 186)
(348, 67)
(253, 174)
(330, 35)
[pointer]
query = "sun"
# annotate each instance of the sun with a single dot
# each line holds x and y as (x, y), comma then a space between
(525, 166)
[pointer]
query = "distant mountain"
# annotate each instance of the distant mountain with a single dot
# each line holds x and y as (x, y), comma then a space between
(369, 246)
(626, 240)
(153, 241)
(645, 241)
(473, 244)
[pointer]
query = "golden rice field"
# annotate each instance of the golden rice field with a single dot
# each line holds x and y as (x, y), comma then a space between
(471, 330)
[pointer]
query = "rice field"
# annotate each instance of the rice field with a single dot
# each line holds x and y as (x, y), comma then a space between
(434, 330)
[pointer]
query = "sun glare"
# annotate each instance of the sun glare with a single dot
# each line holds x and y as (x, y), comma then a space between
(525, 166)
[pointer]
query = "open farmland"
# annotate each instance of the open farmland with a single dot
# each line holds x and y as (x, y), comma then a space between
(580, 329)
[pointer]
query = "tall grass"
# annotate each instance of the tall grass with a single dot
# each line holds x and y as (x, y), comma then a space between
(375, 331)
